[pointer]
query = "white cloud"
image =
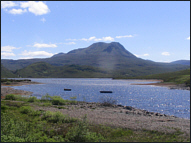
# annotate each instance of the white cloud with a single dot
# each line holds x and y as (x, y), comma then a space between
(5, 54)
(38, 45)
(144, 55)
(38, 8)
(188, 38)
(73, 39)
(93, 38)
(97, 39)
(89, 39)
(108, 38)
(70, 43)
(8, 48)
(5, 4)
(17, 11)
(126, 36)
(136, 55)
(165, 53)
(43, 20)
(36, 53)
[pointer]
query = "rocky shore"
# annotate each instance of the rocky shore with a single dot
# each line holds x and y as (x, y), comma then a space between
(123, 116)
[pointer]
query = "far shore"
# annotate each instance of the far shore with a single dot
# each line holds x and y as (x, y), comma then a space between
(166, 84)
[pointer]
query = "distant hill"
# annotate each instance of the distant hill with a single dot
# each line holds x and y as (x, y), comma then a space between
(182, 62)
(45, 70)
(112, 57)
(5, 73)
(59, 54)
(178, 77)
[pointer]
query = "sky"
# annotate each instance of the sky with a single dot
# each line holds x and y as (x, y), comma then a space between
(153, 30)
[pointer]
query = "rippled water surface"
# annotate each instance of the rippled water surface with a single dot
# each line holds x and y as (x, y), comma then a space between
(151, 98)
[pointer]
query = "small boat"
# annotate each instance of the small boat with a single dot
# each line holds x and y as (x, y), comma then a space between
(106, 92)
(66, 89)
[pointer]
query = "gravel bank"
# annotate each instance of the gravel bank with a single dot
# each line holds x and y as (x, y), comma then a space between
(125, 117)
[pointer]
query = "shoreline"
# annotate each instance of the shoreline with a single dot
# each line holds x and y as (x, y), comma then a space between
(115, 115)
(166, 84)
(6, 89)
(122, 117)
(9, 90)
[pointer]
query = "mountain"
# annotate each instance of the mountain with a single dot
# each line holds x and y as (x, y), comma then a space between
(182, 62)
(111, 58)
(103, 55)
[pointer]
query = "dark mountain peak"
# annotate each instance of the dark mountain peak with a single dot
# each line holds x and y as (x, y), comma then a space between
(103, 44)
(102, 48)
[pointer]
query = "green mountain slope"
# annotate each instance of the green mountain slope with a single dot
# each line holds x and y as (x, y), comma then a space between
(5, 73)
(45, 70)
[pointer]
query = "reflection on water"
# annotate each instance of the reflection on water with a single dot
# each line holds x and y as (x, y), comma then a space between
(151, 98)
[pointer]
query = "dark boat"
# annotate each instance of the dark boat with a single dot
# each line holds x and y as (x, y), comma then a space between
(105, 91)
(65, 89)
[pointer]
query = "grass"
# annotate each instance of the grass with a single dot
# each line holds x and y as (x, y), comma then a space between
(21, 123)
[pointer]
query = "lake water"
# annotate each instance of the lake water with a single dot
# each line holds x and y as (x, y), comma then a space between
(151, 98)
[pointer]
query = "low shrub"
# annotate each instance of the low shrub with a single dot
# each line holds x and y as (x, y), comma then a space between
(32, 99)
(56, 117)
(57, 100)
(11, 138)
(47, 104)
(16, 97)
(46, 98)
(80, 133)
(26, 109)
(108, 101)
(4, 107)
(10, 97)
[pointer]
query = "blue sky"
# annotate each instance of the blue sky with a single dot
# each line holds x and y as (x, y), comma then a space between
(154, 30)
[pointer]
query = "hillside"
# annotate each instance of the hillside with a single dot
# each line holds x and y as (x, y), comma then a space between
(178, 77)
(45, 70)
(182, 62)
(5, 73)
(112, 58)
